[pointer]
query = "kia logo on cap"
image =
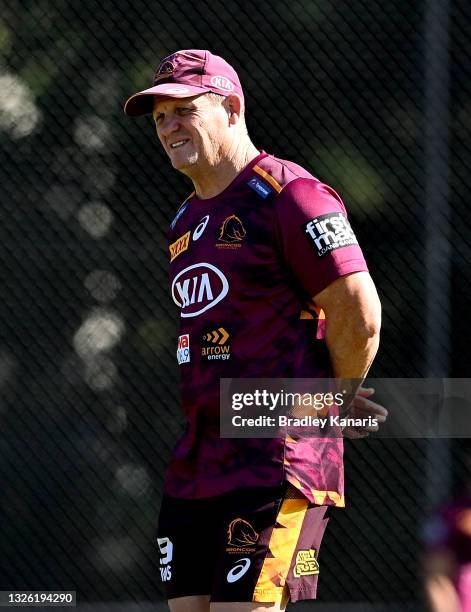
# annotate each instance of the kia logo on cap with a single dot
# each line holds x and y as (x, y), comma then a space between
(198, 288)
(222, 83)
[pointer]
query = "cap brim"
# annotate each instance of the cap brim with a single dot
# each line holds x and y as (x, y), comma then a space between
(142, 103)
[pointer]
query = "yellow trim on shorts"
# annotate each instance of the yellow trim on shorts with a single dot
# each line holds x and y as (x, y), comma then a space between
(318, 495)
(268, 177)
(283, 540)
(319, 498)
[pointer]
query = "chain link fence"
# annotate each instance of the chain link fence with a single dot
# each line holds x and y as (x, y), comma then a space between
(375, 99)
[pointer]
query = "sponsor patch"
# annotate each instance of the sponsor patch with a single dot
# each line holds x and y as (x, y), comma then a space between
(166, 555)
(241, 537)
(183, 349)
(179, 246)
(306, 563)
(239, 570)
(198, 288)
(231, 233)
(199, 229)
(164, 70)
(178, 215)
(329, 232)
(216, 345)
(222, 82)
(260, 187)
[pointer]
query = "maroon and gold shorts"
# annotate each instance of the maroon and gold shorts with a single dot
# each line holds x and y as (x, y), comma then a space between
(257, 545)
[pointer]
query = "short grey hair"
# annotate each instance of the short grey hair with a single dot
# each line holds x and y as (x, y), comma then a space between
(216, 99)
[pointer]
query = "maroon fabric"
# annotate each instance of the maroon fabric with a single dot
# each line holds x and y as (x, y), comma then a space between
(230, 527)
(310, 539)
(183, 74)
(235, 531)
(243, 268)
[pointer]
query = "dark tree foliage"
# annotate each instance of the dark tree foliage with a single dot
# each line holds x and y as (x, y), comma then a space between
(88, 376)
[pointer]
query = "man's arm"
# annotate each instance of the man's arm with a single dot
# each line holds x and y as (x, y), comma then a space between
(353, 320)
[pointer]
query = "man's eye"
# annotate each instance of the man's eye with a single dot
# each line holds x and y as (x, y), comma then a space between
(158, 118)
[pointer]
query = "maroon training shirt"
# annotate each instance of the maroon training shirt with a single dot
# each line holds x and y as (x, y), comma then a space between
(244, 266)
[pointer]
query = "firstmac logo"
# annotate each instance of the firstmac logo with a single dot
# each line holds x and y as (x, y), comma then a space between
(198, 288)
(329, 232)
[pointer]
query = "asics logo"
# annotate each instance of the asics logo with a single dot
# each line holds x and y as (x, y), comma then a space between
(200, 228)
(238, 570)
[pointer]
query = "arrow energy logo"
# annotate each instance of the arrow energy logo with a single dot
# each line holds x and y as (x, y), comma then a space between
(215, 344)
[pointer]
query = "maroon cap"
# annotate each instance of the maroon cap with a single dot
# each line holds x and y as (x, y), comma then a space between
(183, 74)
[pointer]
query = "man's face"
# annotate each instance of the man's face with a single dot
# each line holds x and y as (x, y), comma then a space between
(194, 131)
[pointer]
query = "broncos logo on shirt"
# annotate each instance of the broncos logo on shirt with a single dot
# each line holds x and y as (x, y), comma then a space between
(232, 230)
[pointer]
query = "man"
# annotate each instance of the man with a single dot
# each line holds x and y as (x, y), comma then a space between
(270, 282)
(447, 554)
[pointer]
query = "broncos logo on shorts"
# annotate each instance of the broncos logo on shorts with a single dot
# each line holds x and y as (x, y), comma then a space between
(241, 533)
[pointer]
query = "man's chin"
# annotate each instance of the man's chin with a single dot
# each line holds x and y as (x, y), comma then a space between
(183, 164)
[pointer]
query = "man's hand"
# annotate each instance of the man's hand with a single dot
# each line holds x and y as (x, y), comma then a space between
(362, 407)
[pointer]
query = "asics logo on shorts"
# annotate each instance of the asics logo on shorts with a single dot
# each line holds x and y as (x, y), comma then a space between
(238, 570)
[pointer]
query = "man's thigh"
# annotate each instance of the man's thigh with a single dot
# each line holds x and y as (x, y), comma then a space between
(247, 607)
(197, 603)
(202, 604)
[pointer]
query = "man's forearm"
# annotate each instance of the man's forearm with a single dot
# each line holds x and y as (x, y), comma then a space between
(352, 349)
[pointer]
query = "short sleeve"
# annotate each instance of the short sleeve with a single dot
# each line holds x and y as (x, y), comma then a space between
(315, 236)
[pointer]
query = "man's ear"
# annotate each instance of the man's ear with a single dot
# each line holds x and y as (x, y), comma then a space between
(235, 107)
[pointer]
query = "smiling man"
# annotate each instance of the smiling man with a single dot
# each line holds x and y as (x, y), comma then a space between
(270, 282)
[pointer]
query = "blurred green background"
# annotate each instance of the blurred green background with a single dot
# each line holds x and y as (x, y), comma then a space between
(374, 98)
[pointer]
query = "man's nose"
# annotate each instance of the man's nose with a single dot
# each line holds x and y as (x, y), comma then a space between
(169, 124)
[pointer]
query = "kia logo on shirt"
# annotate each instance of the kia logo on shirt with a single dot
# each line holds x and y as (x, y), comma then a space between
(198, 288)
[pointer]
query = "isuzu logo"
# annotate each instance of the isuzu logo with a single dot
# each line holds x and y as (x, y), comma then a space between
(198, 288)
